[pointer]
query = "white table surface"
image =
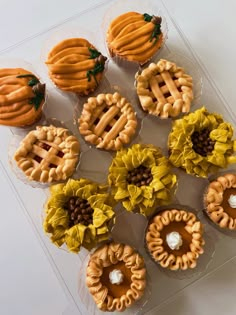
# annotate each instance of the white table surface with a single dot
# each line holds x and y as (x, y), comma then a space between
(29, 285)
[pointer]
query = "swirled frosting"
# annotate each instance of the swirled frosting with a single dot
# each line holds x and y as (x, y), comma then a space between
(111, 255)
(213, 200)
(134, 36)
(155, 245)
(20, 103)
(75, 66)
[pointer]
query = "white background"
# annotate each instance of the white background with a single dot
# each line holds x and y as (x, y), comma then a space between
(28, 285)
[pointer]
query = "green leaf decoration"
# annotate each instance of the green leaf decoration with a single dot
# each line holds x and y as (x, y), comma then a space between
(94, 53)
(147, 17)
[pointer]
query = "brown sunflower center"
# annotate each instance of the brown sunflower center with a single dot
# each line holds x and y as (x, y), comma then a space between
(139, 176)
(79, 211)
(202, 143)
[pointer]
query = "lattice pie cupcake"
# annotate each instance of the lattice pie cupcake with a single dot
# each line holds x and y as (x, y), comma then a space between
(48, 154)
(164, 89)
(108, 121)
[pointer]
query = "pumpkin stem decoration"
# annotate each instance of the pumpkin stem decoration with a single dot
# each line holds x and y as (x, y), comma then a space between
(99, 66)
(37, 87)
(157, 29)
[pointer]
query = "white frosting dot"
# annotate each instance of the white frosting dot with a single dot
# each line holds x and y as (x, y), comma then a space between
(174, 240)
(116, 276)
(232, 201)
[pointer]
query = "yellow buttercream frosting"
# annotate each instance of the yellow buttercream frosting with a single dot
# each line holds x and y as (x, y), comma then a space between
(181, 146)
(146, 197)
(56, 221)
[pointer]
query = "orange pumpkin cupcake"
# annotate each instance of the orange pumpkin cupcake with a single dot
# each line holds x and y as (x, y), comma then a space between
(134, 36)
(75, 65)
(22, 97)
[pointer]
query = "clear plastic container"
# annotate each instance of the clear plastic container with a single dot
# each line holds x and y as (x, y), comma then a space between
(94, 163)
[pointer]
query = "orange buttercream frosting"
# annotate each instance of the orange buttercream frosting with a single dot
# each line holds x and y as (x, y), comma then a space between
(134, 36)
(75, 66)
(18, 103)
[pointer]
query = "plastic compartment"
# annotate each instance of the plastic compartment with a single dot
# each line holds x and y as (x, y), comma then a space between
(190, 189)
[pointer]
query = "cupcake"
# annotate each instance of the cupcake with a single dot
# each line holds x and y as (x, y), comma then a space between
(108, 121)
(174, 239)
(220, 201)
(48, 154)
(141, 178)
(164, 89)
(116, 277)
(201, 143)
(78, 214)
(133, 36)
(22, 97)
(75, 65)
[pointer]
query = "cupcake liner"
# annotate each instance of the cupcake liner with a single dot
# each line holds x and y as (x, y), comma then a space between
(6, 62)
(204, 259)
(62, 33)
(122, 6)
(14, 145)
(190, 68)
(205, 214)
(87, 300)
(108, 88)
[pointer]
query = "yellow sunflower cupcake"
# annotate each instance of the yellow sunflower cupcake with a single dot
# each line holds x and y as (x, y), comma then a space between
(141, 178)
(201, 143)
(78, 213)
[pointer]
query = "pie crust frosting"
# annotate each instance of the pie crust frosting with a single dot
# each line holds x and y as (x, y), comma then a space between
(164, 89)
(112, 256)
(108, 121)
(188, 226)
(75, 65)
(216, 201)
(48, 154)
